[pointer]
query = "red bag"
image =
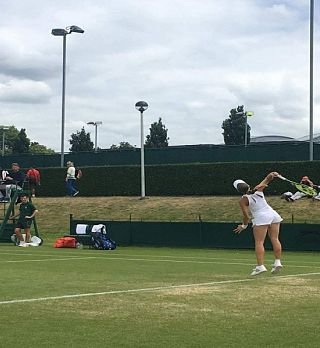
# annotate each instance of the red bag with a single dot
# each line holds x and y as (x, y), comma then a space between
(65, 242)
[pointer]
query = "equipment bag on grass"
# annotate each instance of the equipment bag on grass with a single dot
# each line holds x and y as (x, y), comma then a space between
(100, 240)
(65, 242)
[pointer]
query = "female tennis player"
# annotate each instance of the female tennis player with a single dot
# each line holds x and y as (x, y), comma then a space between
(265, 221)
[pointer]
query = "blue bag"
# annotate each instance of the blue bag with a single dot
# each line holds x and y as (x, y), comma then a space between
(100, 240)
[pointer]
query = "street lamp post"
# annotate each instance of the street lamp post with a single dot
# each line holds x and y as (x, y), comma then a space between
(3, 128)
(64, 33)
(142, 106)
(246, 130)
(311, 81)
(245, 115)
(96, 124)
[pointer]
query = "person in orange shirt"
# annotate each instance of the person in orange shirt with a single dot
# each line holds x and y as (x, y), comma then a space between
(33, 176)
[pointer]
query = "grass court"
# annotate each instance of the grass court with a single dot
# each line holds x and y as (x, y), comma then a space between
(156, 297)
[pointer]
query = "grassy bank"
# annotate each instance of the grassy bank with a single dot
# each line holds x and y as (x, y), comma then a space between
(53, 218)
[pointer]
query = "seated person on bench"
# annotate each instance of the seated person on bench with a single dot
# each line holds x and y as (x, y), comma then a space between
(14, 180)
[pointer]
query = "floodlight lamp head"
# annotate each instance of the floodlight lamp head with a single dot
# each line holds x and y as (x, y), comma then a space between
(59, 32)
(97, 123)
(141, 106)
(75, 29)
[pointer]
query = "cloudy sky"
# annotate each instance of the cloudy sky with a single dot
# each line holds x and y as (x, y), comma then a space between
(191, 60)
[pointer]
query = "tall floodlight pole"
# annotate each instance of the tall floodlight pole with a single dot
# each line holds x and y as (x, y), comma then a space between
(95, 124)
(142, 106)
(246, 130)
(64, 33)
(3, 128)
(245, 115)
(311, 81)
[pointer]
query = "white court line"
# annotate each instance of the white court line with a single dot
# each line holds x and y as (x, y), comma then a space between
(38, 254)
(148, 260)
(160, 288)
(116, 254)
(46, 260)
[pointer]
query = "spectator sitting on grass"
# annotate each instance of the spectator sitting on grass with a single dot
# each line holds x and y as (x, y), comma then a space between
(289, 197)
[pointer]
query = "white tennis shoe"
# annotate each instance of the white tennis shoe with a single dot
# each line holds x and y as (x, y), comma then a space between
(258, 270)
(276, 269)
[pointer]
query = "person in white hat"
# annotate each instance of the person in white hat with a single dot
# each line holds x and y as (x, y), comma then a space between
(265, 220)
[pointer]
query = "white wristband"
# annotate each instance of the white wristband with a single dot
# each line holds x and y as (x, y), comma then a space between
(244, 226)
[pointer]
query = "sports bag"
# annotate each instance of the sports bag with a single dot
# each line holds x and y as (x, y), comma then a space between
(65, 242)
(100, 240)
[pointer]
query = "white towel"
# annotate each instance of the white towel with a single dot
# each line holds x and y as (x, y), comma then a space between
(35, 241)
(81, 229)
(99, 228)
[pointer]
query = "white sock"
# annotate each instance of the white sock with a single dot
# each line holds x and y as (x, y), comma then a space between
(277, 262)
(260, 267)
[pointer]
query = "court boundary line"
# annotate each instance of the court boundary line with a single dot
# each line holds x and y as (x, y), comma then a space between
(154, 289)
(149, 255)
(213, 261)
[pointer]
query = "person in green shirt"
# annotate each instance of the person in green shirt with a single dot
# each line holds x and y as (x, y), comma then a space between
(27, 211)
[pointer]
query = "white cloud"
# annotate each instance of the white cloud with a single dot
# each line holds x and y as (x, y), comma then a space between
(24, 91)
(191, 60)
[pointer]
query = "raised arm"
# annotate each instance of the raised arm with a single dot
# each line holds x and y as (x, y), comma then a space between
(264, 183)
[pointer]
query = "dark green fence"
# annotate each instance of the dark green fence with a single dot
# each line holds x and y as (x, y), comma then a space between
(295, 237)
(281, 151)
(176, 180)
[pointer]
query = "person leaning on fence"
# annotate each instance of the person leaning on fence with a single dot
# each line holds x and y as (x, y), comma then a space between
(27, 211)
(33, 175)
(71, 179)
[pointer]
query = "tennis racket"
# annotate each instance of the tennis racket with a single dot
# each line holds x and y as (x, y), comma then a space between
(309, 191)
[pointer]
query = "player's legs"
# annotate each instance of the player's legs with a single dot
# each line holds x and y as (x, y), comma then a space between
(259, 233)
(28, 235)
(18, 233)
(273, 233)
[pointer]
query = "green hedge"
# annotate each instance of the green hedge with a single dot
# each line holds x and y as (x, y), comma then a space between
(176, 180)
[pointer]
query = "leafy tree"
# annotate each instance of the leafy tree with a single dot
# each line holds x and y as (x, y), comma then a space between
(22, 143)
(122, 145)
(234, 127)
(38, 148)
(10, 136)
(80, 141)
(158, 136)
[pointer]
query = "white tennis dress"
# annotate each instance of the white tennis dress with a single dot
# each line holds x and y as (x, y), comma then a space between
(262, 213)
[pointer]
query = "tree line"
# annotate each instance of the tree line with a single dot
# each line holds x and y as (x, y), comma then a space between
(14, 141)
(233, 134)
(158, 137)
(17, 142)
